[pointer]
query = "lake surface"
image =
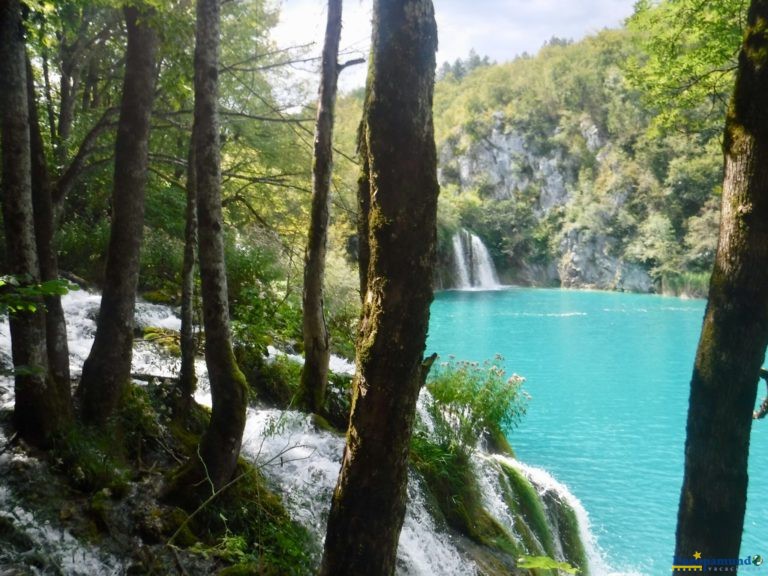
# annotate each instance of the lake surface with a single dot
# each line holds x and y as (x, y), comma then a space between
(608, 374)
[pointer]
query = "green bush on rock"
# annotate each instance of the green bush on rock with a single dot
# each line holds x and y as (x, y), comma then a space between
(470, 401)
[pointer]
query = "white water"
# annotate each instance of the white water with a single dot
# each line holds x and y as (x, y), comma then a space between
(473, 266)
(544, 482)
(298, 459)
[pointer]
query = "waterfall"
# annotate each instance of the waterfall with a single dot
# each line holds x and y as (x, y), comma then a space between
(302, 463)
(473, 266)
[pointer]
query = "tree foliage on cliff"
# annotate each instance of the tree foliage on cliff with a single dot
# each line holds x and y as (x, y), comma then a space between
(561, 153)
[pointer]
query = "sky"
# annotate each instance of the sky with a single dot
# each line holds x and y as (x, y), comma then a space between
(499, 29)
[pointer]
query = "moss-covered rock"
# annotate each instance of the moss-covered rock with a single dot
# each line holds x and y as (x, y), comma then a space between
(525, 500)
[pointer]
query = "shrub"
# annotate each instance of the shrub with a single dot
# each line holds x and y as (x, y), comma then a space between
(82, 246)
(162, 257)
(470, 400)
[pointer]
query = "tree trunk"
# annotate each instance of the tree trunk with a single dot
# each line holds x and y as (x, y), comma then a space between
(187, 377)
(363, 209)
(107, 369)
(55, 324)
(735, 330)
(220, 445)
(37, 415)
(314, 376)
(369, 501)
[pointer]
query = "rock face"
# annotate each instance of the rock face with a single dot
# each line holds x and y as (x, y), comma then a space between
(502, 163)
(586, 262)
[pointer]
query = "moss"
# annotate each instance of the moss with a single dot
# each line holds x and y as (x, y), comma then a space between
(168, 340)
(247, 525)
(276, 381)
(168, 295)
(530, 506)
(497, 443)
(92, 460)
(322, 424)
(448, 474)
(568, 528)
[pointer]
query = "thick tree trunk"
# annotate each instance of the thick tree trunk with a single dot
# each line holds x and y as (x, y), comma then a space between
(37, 415)
(314, 376)
(187, 377)
(55, 324)
(220, 445)
(369, 501)
(107, 370)
(735, 331)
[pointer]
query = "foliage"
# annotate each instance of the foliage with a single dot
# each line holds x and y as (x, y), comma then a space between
(545, 563)
(342, 303)
(470, 401)
(466, 402)
(247, 526)
(264, 317)
(686, 284)
(82, 247)
(161, 260)
(548, 153)
(687, 59)
(17, 295)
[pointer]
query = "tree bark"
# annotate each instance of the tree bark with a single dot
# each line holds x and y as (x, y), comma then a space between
(735, 330)
(107, 370)
(221, 442)
(187, 377)
(369, 501)
(55, 324)
(314, 376)
(363, 209)
(36, 413)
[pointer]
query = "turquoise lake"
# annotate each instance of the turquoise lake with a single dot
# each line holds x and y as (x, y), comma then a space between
(608, 376)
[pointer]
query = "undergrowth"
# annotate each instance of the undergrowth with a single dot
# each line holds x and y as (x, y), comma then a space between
(243, 529)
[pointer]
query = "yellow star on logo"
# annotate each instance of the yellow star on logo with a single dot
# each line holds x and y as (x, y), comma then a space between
(697, 555)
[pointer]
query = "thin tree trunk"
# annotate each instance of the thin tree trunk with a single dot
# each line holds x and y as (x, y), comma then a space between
(48, 96)
(187, 377)
(55, 324)
(107, 370)
(735, 330)
(369, 501)
(314, 376)
(37, 415)
(221, 442)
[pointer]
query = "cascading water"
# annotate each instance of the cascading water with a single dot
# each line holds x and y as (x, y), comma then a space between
(302, 462)
(473, 266)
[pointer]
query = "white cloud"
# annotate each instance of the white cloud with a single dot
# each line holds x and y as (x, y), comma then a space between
(500, 29)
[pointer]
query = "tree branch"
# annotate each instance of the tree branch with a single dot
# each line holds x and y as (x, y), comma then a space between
(77, 165)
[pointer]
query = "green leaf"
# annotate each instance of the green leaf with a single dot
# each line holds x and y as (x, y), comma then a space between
(545, 563)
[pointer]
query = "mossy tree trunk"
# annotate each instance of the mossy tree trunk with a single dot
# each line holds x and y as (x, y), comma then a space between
(314, 376)
(107, 369)
(735, 330)
(37, 414)
(55, 325)
(369, 501)
(187, 377)
(220, 445)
